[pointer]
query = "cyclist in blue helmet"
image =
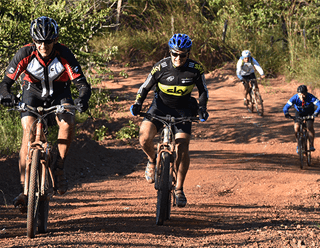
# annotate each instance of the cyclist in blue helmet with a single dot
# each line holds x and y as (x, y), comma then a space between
(47, 69)
(245, 71)
(305, 104)
(173, 78)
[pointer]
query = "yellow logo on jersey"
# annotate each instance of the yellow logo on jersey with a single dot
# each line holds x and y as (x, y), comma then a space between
(199, 68)
(176, 90)
(138, 97)
(156, 68)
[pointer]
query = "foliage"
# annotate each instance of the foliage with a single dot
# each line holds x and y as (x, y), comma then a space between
(10, 131)
(129, 131)
(280, 34)
(78, 22)
(100, 133)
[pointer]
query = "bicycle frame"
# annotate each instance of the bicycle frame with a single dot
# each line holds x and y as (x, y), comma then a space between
(165, 183)
(40, 142)
(39, 179)
(303, 139)
(255, 97)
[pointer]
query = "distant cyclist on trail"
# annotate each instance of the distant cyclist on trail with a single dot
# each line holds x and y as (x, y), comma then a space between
(174, 78)
(245, 71)
(47, 69)
(304, 103)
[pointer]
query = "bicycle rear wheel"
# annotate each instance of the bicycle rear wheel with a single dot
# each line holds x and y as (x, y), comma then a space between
(163, 193)
(33, 195)
(258, 103)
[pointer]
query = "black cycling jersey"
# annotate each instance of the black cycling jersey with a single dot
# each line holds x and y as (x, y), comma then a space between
(47, 78)
(175, 84)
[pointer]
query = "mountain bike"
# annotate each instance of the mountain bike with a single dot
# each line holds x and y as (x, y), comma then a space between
(303, 141)
(255, 100)
(166, 168)
(39, 179)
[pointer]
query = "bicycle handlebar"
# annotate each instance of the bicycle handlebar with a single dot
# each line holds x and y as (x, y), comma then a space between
(58, 109)
(170, 119)
(302, 118)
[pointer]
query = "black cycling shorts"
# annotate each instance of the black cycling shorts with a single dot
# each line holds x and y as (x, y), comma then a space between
(157, 107)
(309, 111)
(32, 97)
(248, 77)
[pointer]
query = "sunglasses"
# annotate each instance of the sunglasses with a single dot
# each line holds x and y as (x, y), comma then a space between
(182, 55)
(46, 42)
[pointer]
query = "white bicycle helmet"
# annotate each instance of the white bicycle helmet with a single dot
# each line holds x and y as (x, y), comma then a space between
(246, 54)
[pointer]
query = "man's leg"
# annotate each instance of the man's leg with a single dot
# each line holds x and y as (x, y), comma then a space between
(65, 136)
(146, 135)
(245, 92)
(21, 199)
(182, 164)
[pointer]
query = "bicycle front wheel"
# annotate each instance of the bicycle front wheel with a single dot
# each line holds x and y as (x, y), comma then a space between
(33, 195)
(163, 193)
(308, 152)
(258, 103)
(301, 146)
(250, 102)
(44, 202)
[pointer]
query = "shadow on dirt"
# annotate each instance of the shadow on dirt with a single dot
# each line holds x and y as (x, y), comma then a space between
(230, 160)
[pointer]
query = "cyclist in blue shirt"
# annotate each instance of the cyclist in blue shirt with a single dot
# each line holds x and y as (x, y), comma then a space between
(304, 103)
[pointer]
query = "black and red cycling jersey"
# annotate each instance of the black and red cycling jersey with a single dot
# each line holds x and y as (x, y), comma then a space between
(175, 84)
(49, 77)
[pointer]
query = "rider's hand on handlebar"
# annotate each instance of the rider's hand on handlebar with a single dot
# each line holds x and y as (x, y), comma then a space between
(82, 104)
(135, 109)
(9, 100)
(287, 115)
(203, 114)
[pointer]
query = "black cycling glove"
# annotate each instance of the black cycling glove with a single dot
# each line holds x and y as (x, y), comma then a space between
(82, 104)
(203, 114)
(135, 109)
(9, 100)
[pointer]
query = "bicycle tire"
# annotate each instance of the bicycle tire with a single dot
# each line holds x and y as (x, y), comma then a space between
(44, 207)
(308, 152)
(170, 195)
(33, 195)
(258, 103)
(250, 102)
(301, 145)
(163, 192)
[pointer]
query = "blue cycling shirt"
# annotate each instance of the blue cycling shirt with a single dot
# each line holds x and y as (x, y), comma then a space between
(310, 101)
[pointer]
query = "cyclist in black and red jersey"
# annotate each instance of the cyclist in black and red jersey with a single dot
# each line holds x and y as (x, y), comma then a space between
(174, 79)
(47, 69)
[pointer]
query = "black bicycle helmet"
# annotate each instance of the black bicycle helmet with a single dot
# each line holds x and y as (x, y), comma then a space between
(180, 42)
(302, 89)
(44, 28)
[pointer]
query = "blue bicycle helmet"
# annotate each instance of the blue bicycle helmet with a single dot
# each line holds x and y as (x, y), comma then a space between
(180, 42)
(302, 89)
(44, 28)
(246, 54)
